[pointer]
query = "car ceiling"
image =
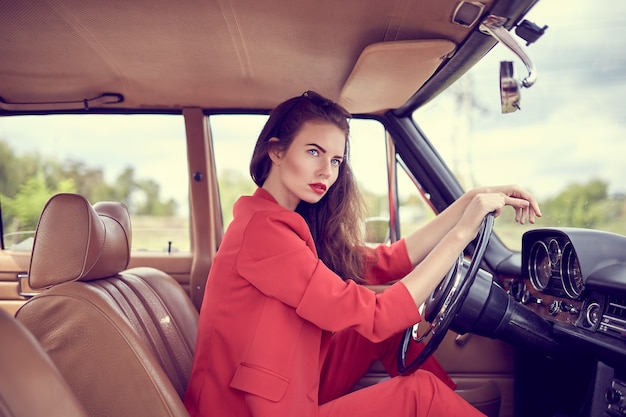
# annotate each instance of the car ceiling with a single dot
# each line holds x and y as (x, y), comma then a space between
(369, 55)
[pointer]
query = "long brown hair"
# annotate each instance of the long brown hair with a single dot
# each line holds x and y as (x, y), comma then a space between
(336, 220)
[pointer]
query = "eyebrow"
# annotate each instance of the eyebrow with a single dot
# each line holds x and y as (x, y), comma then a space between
(323, 150)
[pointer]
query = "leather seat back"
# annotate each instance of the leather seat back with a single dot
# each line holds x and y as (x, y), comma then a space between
(31, 385)
(123, 339)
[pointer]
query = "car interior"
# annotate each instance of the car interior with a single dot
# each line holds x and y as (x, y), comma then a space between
(94, 323)
(138, 320)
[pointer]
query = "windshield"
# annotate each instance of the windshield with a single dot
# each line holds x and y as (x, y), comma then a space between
(566, 144)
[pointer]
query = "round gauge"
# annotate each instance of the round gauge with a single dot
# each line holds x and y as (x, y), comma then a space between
(573, 283)
(539, 266)
(554, 249)
(593, 314)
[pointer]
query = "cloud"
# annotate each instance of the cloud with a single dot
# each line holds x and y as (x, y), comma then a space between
(572, 126)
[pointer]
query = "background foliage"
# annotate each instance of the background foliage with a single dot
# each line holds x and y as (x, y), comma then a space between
(28, 181)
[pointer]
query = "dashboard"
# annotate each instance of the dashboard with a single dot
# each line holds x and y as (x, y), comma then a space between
(564, 308)
(576, 279)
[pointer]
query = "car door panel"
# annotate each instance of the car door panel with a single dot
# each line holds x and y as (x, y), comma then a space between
(473, 360)
(14, 289)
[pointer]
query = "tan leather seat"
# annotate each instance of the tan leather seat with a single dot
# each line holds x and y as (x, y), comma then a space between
(123, 339)
(30, 384)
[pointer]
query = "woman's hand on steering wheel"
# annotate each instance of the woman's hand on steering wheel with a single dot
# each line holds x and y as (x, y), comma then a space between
(448, 297)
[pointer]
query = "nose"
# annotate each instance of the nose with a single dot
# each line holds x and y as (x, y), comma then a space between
(325, 169)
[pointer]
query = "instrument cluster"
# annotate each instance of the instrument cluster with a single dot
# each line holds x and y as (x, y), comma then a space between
(554, 268)
(578, 277)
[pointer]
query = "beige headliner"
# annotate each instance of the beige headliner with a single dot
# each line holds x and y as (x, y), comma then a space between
(223, 53)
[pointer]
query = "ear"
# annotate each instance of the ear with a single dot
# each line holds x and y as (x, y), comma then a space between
(275, 150)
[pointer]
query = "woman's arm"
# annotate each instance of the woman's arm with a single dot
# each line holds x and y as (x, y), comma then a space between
(423, 240)
(459, 225)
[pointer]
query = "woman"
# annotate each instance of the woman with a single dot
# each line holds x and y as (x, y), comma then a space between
(285, 328)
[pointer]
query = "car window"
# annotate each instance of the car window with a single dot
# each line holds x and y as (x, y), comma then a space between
(565, 144)
(136, 159)
(234, 137)
(369, 155)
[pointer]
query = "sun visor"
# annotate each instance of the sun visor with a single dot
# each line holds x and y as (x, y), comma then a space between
(388, 73)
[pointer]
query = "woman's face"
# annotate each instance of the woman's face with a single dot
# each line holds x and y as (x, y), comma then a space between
(309, 167)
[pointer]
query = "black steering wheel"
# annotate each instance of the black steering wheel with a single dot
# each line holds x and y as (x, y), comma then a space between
(445, 302)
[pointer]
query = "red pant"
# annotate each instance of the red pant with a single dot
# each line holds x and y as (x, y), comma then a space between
(420, 394)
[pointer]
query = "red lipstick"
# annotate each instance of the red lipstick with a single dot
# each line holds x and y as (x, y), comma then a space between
(318, 187)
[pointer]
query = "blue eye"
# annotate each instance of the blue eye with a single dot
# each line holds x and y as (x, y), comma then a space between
(336, 162)
(313, 152)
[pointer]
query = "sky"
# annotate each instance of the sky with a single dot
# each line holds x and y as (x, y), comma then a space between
(571, 128)
(572, 123)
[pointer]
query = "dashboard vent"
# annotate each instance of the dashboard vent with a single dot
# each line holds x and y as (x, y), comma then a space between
(614, 320)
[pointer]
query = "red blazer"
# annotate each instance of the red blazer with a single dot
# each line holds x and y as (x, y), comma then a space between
(269, 308)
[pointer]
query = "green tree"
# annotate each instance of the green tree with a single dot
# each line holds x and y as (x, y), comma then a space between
(89, 181)
(151, 202)
(15, 169)
(580, 205)
(124, 185)
(25, 207)
(22, 177)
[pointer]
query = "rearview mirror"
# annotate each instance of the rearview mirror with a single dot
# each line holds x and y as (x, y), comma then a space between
(509, 88)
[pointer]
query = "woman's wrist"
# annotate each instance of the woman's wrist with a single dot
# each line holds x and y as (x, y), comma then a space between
(479, 190)
(469, 195)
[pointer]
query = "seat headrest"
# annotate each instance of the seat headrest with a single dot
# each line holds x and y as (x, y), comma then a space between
(75, 241)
